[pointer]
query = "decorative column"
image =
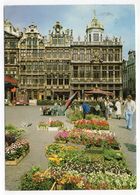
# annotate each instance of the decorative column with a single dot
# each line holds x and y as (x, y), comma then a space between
(100, 72)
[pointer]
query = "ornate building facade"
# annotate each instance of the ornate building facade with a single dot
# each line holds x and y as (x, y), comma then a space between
(128, 70)
(57, 66)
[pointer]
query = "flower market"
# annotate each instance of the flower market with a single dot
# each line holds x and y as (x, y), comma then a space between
(76, 154)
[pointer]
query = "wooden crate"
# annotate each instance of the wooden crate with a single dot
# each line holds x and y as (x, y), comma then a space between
(16, 161)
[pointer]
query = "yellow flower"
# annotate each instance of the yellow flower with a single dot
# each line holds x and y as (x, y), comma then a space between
(55, 159)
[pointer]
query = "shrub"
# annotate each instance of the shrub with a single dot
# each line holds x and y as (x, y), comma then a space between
(14, 131)
(110, 154)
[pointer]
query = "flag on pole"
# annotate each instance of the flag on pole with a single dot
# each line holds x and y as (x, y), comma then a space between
(70, 100)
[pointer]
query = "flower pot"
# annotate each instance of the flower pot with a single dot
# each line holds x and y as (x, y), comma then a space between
(53, 128)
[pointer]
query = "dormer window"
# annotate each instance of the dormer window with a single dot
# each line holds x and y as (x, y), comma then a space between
(95, 37)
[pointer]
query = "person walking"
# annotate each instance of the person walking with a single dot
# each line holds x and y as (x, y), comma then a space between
(107, 108)
(117, 108)
(97, 108)
(102, 108)
(129, 109)
(86, 109)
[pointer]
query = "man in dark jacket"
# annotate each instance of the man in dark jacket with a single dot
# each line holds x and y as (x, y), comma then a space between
(86, 109)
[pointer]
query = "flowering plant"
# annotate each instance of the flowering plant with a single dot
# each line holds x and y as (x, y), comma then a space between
(36, 179)
(107, 181)
(62, 136)
(51, 123)
(92, 124)
(15, 150)
(12, 130)
(88, 137)
(56, 123)
(43, 124)
(72, 180)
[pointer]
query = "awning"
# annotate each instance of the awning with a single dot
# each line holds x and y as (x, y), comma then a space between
(99, 91)
(9, 79)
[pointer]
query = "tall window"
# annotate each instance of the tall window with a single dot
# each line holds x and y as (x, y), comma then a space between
(12, 58)
(96, 72)
(55, 81)
(6, 59)
(82, 71)
(110, 72)
(88, 71)
(75, 54)
(110, 55)
(89, 37)
(104, 71)
(60, 67)
(54, 41)
(67, 53)
(66, 81)
(54, 67)
(60, 40)
(96, 37)
(117, 55)
(61, 80)
(88, 55)
(34, 42)
(60, 53)
(49, 80)
(54, 53)
(28, 42)
(82, 55)
(48, 53)
(13, 44)
(104, 55)
(66, 66)
(117, 74)
(75, 71)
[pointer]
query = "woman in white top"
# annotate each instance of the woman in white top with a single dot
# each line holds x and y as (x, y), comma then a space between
(118, 108)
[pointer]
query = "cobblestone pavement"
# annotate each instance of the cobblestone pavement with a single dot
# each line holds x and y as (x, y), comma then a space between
(21, 115)
(127, 139)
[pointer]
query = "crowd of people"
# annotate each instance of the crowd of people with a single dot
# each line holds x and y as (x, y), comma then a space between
(105, 108)
(55, 110)
(102, 106)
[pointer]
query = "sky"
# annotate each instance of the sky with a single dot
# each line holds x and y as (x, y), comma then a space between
(118, 20)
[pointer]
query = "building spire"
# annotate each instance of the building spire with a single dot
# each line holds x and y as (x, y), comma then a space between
(94, 13)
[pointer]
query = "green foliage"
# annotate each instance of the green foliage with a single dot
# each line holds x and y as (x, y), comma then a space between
(53, 148)
(92, 116)
(74, 116)
(27, 182)
(110, 154)
(93, 149)
(12, 130)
